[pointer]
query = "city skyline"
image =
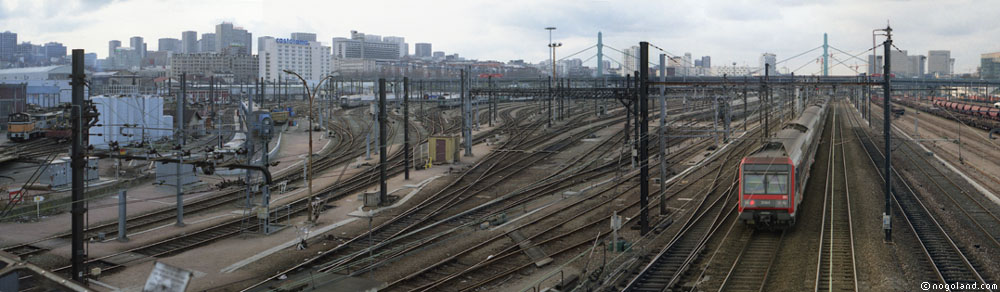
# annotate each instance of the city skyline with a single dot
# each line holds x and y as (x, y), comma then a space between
(730, 32)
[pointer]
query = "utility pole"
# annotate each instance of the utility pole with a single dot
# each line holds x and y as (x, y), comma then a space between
(643, 119)
(78, 165)
(663, 135)
(382, 194)
(406, 128)
(466, 122)
(767, 101)
(493, 110)
(122, 212)
(180, 150)
(746, 115)
(887, 89)
(549, 102)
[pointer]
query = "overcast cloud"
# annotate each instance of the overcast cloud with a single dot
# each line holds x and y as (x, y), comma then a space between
(729, 31)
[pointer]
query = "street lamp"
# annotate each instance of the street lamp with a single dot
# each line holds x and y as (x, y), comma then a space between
(309, 175)
(553, 46)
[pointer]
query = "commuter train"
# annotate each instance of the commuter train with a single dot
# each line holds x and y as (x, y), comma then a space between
(25, 126)
(773, 178)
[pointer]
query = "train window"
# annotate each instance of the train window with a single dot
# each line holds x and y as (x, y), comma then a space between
(777, 184)
(765, 184)
(753, 184)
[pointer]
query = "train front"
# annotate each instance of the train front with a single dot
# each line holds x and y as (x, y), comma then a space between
(766, 192)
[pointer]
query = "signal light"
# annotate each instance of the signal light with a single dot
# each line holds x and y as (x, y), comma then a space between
(752, 202)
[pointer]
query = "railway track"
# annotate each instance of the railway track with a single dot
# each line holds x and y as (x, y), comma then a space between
(704, 219)
(949, 262)
(419, 224)
(553, 234)
(750, 270)
(187, 241)
(144, 221)
(835, 265)
(979, 211)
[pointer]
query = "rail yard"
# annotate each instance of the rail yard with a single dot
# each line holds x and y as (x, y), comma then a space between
(634, 183)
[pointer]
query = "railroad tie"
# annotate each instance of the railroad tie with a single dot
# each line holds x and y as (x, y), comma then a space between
(532, 251)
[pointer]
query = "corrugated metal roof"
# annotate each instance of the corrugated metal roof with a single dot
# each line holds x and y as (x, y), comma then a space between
(45, 69)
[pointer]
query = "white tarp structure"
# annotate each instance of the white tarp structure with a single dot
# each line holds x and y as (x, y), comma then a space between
(144, 112)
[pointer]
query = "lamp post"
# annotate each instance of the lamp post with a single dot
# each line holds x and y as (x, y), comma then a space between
(309, 175)
(553, 46)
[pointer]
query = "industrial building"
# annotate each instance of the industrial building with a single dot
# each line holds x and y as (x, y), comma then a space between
(13, 99)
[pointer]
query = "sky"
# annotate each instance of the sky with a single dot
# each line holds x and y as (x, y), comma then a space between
(730, 32)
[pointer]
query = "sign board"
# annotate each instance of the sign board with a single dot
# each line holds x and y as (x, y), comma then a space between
(291, 42)
(616, 222)
(39, 199)
(13, 194)
(165, 278)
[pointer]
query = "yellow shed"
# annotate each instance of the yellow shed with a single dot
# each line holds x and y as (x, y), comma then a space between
(443, 149)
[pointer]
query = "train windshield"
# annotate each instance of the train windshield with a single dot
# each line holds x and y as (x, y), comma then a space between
(765, 179)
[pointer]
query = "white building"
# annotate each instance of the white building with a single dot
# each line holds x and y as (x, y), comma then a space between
(310, 59)
(630, 60)
(146, 112)
(768, 59)
(939, 62)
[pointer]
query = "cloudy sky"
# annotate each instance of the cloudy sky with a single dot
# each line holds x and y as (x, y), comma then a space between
(729, 31)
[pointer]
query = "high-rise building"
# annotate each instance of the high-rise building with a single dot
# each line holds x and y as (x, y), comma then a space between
(939, 63)
(362, 46)
(311, 60)
(232, 40)
(207, 43)
(169, 45)
(438, 54)
(899, 63)
(875, 64)
(189, 42)
(90, 59)
(422, 50)
(137, 44)
(55, 50)
(706, 61)
(302, 36)
(768, 59)
(989, 68)
(404, 48)
(916, 66)
(688, 60)
(112, 46)
(630, 60)
(8, 45)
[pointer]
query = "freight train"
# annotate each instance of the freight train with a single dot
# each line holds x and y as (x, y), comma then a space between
(772, 179)
(25, 126)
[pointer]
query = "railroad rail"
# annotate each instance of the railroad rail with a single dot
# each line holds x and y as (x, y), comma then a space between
(552, 236)
(948, 261)
(835, 260)
(754, 262)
